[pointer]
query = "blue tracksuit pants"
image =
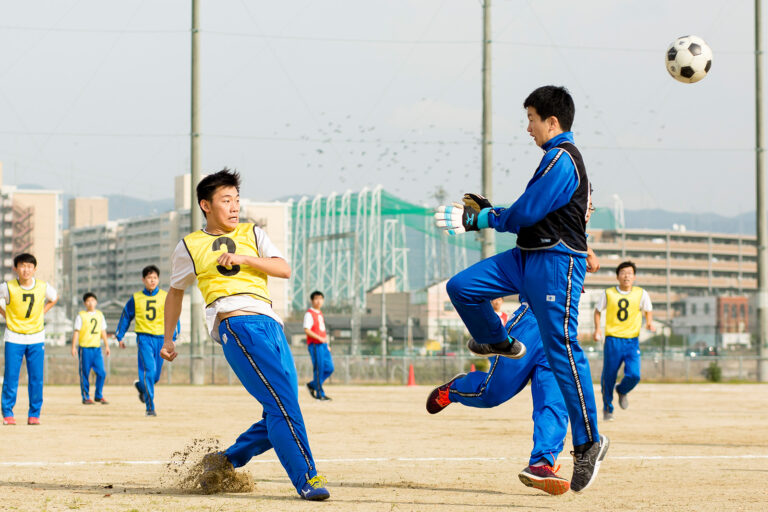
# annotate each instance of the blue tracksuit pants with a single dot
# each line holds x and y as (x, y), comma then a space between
(322, 366)
(256, 349)
(507, 377)
(150, 365)
(552, 282)
(90, 359)
(14, 353)
(615, 352)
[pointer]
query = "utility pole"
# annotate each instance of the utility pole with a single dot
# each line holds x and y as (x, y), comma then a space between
(487, 242)
(196, 366)
(762, 211)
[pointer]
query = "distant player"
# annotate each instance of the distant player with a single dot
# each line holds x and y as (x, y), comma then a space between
(505, 379)
(624, 306)
(231, 262)
(147, 308)
(27, 300)
(547, 267)
(90, 329)
(496, 304)
(317, 344)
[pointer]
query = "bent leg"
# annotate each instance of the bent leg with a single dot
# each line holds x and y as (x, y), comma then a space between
(472, 289)
(631, 366)
(249, 444)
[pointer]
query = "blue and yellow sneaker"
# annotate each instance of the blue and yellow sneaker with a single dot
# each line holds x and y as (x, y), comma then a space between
(314, 489)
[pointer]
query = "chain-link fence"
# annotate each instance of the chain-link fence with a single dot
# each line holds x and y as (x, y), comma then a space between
(61, 368)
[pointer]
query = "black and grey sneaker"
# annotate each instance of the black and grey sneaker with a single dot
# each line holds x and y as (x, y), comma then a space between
(623, 401)
(587, 463)
(511, 348)
(141, 391)
(311, 390)
(607, 416)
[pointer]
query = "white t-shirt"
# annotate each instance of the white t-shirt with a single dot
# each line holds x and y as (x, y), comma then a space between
(79, 321)
(183, 275)
(645, 301)
(25, 339)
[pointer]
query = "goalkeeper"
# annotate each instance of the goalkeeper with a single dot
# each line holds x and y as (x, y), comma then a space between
(547, 267)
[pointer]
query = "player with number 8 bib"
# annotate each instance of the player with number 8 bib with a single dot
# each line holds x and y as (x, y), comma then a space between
(146, 307)
(623, 306)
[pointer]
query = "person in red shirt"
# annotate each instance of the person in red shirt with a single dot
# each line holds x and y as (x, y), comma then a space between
(496, 303)
(317, 344)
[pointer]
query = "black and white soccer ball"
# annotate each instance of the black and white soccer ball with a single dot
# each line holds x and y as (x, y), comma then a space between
(688, 59)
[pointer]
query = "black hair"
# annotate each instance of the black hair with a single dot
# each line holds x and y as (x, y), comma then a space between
(551, 100)
(24, 257)
(149, 269)
(315, 294)
(88, 295)
(208, 185)
(626, 264)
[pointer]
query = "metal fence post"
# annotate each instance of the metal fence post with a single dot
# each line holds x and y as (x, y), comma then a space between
(346, 369)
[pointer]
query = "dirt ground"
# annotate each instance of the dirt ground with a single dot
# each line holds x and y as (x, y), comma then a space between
(678, 447)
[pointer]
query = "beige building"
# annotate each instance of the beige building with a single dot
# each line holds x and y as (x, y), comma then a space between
(88, 211)
(675, 264)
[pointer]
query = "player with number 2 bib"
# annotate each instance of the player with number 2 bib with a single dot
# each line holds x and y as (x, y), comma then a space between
(146, 307)
(624, 306)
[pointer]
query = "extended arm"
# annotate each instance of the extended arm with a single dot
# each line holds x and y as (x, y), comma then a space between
(75, 336)
(649, 321)
(172, 313)
(598, 335)
(129, 311)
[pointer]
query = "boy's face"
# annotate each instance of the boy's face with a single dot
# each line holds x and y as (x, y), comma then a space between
(496, 304)
(590, 209)
(223, 210)
(626, 277)
(151, 281)
(541, 129)
(25, 271)
(317, 302)
(90, 304)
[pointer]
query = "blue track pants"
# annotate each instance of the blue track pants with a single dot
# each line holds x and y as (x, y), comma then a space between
(551, 281)
(150, 365)
(322, 366)
(507, 377)
(256, 349)
(90, 359)
(615, 352)
(14, 353)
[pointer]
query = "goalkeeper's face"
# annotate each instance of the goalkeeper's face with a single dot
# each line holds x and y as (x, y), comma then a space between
(223, 210)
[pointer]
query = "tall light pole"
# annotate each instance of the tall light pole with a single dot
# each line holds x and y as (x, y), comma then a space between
(196, 366)
(487, 245)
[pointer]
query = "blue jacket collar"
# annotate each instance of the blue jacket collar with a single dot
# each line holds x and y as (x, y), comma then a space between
(557, 139)
(150, 293)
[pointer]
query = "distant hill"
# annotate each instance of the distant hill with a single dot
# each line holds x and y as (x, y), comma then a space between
(121, 206)
(708, 222)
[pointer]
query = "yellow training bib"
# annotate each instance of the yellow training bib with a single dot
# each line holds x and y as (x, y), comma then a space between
(149, 312)
(89, 334)
(216, 281)
(24, 312)
(623, 317)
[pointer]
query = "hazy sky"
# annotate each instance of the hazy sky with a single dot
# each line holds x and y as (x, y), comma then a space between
(307, 97)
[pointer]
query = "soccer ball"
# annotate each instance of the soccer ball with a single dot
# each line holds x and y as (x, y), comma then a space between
(688, 59)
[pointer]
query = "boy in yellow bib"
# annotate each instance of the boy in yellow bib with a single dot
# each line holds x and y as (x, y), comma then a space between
(624, 306)
(231, 262)
(89, 330)
(27, 300)
(147, 307)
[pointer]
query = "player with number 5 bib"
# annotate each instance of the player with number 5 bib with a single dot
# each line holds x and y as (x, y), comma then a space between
(146, 307)
(624, 306)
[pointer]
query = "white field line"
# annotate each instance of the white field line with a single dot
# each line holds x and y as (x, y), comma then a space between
(377, 459)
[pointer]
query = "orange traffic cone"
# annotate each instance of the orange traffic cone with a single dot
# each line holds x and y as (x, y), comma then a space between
(411, 376)
(472, 367)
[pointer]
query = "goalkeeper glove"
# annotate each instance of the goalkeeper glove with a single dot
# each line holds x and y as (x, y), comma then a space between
(457, 219)
(476, 201)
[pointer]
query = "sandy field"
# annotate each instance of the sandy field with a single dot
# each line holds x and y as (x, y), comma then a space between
(678, 447)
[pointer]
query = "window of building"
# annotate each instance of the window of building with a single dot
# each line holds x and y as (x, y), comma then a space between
(706, 308)
(693, 308)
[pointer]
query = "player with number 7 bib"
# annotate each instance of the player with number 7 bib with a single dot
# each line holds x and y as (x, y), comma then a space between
(147, 307)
